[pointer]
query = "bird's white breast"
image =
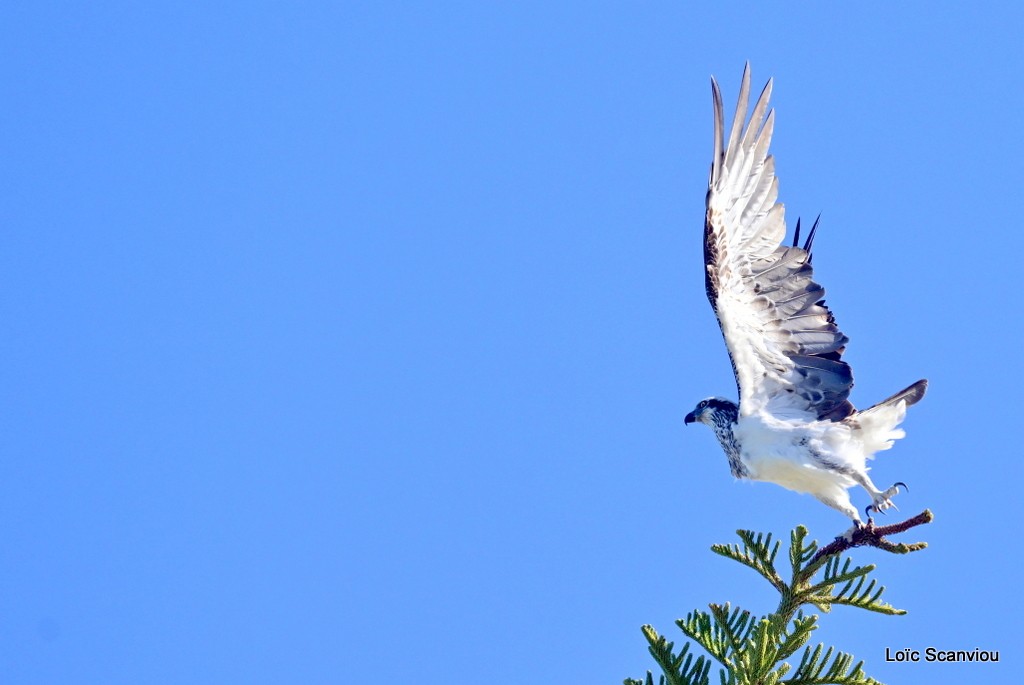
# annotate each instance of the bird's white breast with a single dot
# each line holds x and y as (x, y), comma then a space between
(783, 452)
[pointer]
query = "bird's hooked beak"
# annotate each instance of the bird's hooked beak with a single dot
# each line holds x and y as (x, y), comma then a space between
(690, 418)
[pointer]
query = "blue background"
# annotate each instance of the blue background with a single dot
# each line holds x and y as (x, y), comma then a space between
(352, 342)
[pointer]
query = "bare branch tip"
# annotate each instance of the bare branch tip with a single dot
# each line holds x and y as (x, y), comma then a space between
(874, 536)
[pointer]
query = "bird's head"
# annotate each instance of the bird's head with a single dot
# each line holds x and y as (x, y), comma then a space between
(713, 410)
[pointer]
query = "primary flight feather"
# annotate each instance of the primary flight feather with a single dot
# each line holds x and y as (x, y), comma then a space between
(794, 424)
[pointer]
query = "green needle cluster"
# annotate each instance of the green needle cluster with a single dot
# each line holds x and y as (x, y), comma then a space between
(750, 650)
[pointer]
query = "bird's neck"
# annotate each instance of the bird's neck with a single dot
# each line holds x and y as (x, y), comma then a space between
(724, 430)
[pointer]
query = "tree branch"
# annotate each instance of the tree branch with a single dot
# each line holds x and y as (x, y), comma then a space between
(757, 649)
(874, 536)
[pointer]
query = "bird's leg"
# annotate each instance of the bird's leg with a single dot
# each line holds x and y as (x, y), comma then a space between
(880, 500)
(839, 500)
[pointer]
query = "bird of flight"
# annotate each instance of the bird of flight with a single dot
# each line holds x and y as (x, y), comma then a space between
(794, 425)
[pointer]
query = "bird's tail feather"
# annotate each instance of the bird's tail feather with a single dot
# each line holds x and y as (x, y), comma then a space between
(911, 395)
(877, 427)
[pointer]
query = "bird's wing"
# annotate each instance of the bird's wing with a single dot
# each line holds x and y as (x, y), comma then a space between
(784, 344)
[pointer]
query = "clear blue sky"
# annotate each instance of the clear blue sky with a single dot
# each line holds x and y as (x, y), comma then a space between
(352, 343)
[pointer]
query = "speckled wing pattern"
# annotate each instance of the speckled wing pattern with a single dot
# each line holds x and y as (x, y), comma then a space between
(785, 346)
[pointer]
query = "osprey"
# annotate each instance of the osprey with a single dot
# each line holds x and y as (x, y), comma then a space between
(794, 425)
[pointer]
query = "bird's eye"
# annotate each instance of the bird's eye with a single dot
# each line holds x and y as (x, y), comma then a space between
(702, 404)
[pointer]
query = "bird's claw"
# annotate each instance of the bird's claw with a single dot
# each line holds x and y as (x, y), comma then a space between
(857, 527)
(879, 509)
(884, 500)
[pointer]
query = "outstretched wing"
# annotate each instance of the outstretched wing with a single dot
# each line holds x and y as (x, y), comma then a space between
(784, 344)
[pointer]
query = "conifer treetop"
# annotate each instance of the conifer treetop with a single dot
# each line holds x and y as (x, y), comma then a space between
(758, 650)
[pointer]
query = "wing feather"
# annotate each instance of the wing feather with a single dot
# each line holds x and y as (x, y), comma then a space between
(784, 344)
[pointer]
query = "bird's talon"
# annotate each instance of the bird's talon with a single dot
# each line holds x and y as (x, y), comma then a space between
(856, 528)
